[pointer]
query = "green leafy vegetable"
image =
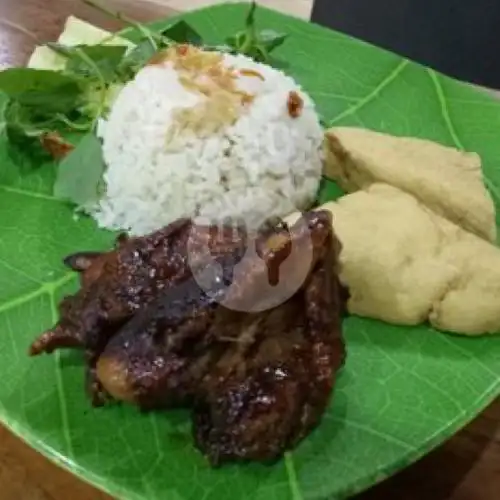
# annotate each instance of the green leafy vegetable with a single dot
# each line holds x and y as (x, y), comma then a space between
(39, 101)
(137, 58)
(100, 66)
(146, 48)
(271, 40)
(150, 43)
(237, 41)
(48, 91)
(257, 45)
(250, 42)
(94, 61)
(24, 127)
(182, 32)
(80, 173)
(25, 118)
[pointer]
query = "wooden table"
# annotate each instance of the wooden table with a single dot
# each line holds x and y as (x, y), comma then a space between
(465, 468)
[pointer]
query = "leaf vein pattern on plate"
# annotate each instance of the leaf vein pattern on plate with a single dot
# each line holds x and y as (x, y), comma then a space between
(60, 386)
(374, 93)
(292, 477)
(449, 124)
(50, 288)
(31, 194)
(370, 430)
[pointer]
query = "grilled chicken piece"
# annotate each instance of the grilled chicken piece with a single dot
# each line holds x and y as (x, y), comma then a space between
(159, 357)
(259, 381)
(254, 351)
(117, 284)
(114, 285)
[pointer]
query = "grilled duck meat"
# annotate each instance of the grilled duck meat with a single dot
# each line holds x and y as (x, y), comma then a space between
(182, 318)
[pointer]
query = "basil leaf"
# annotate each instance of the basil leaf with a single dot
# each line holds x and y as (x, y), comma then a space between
(80, 173)
(237, 41)
(259, 45)
(271, 39)
(182, 32)
(259, 53)
(137, 59)
(49, 91)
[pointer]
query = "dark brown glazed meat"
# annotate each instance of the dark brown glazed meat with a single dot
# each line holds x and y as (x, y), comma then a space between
(257, 374)
(158, 358)
(117, 284)
(261, 399)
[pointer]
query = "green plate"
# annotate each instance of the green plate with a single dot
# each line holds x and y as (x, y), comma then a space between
(403, 390)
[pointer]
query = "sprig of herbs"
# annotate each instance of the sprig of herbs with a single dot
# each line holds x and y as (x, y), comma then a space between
(98, 66)
(256, 44)
(45, 107)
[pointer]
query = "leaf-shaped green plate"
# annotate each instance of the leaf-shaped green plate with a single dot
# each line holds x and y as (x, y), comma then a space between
(403, 390)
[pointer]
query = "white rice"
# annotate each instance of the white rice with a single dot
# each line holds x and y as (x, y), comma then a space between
(266, 164)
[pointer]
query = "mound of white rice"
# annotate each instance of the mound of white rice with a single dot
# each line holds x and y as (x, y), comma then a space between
(264, 163)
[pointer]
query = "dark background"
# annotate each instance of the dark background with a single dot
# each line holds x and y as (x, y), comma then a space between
(458, 37)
